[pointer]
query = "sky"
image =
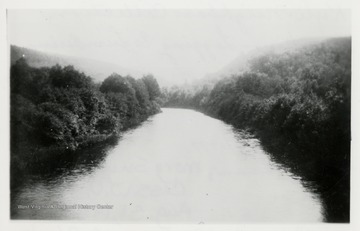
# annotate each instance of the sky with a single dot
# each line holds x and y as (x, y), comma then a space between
(176, 46)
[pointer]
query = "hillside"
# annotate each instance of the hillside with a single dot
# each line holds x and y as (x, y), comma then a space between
(96, 69)
(241, 63)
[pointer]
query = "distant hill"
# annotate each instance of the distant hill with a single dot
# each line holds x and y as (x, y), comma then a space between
(241, 63)
(98, 70)
(244, 61)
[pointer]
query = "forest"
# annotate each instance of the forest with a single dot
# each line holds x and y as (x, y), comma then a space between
(298, 104)
(60, 110)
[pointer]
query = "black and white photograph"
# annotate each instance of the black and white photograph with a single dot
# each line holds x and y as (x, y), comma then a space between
(180, 116)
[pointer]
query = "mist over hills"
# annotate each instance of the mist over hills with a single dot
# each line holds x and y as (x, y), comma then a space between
(243, 62)
(98, 70)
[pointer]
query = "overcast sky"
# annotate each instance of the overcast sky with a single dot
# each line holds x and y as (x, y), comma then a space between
(174, 45)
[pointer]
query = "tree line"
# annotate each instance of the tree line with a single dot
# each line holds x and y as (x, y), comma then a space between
(61, 109)
(298, 104)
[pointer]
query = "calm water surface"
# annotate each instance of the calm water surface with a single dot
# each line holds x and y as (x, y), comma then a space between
(179, 166)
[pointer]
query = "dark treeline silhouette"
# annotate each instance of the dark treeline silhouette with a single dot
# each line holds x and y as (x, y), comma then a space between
(57, 110)
(298, 104)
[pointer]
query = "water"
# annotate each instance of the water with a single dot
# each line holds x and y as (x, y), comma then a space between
(179, 166)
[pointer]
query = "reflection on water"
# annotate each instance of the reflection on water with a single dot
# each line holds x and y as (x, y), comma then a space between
(179, 166)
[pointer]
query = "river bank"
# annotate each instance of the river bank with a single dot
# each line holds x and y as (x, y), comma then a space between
(57, 111)
(330, 177)
(43, 160)
(298, 105)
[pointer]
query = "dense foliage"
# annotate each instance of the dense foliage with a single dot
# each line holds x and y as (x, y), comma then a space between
(59, 108)
(298, 103)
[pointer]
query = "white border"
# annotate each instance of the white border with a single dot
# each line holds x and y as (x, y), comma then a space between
(7, 224)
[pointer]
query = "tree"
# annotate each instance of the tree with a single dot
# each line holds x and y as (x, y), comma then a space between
(117, 84)
(68, 77)
(152, 86)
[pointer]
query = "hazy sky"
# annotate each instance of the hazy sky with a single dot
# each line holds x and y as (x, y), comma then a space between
(174, 45)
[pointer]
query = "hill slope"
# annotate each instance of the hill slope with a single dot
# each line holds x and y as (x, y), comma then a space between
(96, 69)
(241, 63)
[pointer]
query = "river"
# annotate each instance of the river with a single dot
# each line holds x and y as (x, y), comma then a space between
(180, 166)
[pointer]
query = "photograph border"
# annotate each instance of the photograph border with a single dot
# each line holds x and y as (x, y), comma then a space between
(7, 224)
